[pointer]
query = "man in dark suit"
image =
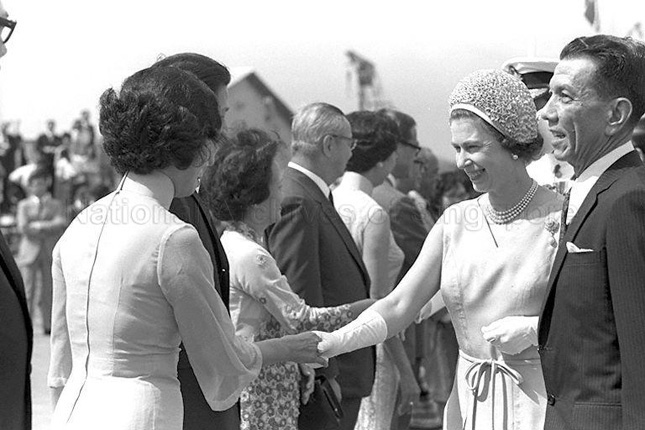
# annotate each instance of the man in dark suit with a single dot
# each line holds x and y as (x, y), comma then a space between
(315, 250)
(16, 334)
(592, 327)
(197, 413)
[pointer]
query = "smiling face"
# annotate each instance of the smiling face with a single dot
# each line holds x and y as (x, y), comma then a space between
(480, 155)
(576, 115)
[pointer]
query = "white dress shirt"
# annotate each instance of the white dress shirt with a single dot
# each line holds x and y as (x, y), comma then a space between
(587, 179)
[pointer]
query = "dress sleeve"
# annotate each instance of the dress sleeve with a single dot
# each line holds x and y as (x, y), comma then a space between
(223, 363)
(60, 364)
(261, 279)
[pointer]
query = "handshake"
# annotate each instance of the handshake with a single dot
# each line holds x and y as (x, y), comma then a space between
(366, 330)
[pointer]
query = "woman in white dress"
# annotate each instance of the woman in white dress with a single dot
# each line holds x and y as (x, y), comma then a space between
(373, 158)
(491, 258)
(131, 280)
(243, 188)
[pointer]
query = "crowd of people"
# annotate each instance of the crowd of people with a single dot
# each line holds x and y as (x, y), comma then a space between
(230, 280)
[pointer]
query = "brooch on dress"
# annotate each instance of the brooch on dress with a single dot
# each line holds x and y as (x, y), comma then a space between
(552, 225)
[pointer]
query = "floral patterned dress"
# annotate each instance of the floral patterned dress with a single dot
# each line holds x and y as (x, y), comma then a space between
(263, 306)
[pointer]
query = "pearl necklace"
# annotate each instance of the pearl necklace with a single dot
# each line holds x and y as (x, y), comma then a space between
(504, 217)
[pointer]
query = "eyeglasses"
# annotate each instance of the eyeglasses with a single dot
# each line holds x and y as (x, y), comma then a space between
(352, 141)
(411, 145)
(6, 29)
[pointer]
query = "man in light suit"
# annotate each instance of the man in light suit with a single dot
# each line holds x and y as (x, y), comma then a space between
(15, 325)
(315, 250)
(592, 327)
(41, 221)
(197, 413)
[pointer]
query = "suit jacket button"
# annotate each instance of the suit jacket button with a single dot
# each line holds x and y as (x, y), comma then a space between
(550, 398)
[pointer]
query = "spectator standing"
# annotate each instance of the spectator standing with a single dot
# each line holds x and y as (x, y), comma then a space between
(243, 189)
(373, 158)
(41, 221)
(315, 250)
(197, 412)
(407, 224)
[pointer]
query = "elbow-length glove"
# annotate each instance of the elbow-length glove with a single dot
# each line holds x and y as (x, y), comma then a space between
(366, 330)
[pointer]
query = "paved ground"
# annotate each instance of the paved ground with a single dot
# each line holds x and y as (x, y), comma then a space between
(39, 391)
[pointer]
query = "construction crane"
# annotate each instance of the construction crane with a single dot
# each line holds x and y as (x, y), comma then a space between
(369, 89)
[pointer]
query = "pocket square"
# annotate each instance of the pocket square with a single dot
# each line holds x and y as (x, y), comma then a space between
(573, 249)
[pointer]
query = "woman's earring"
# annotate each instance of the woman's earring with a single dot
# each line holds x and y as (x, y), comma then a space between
(515, 157)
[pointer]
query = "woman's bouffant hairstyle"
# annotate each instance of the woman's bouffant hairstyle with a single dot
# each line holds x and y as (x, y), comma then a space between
(527, 151)
(161, 117)
(376, 138)
(241, 174)
(207, 70)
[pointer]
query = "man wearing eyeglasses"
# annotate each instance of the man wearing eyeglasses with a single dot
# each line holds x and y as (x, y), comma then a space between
(15, 324)
(316, 252)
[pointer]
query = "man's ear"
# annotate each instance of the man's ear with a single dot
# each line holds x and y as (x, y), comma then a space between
(326, 146)
(619, 114)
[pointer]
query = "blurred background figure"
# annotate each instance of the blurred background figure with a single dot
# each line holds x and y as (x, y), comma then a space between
(41, 221)
(453, 187)
(374, 155)
(48, 142)
(35, 159)
(424, 173)
(84, 135)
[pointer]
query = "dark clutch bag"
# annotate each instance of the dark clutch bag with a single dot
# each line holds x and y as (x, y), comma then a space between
(323, 406)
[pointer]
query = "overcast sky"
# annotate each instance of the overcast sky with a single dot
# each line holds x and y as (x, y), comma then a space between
(64, 53)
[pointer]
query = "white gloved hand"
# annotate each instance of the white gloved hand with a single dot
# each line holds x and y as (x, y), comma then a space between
(512, 334)
(366, 330)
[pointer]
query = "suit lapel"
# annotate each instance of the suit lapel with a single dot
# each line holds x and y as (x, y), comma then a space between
(330, 212)
(220, 254)
(614, 172)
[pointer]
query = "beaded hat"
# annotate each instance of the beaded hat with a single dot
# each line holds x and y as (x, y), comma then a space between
(502, 100)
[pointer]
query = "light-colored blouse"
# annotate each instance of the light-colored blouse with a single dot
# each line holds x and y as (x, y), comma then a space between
(132, 281)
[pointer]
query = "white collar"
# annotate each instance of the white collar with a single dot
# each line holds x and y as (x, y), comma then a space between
(588, 178)
(155, 185)
(311, 175)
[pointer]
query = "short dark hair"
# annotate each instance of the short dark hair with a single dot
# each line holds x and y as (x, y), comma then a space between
(620, 67)
(527, 151)
(240, 176)
(376, 139)
(207, 70)
(404, 122)
(162, 116)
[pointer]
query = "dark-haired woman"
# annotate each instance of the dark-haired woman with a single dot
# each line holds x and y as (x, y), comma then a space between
(373, 158)
(131, 280)
(243, 188)
(490, 257)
